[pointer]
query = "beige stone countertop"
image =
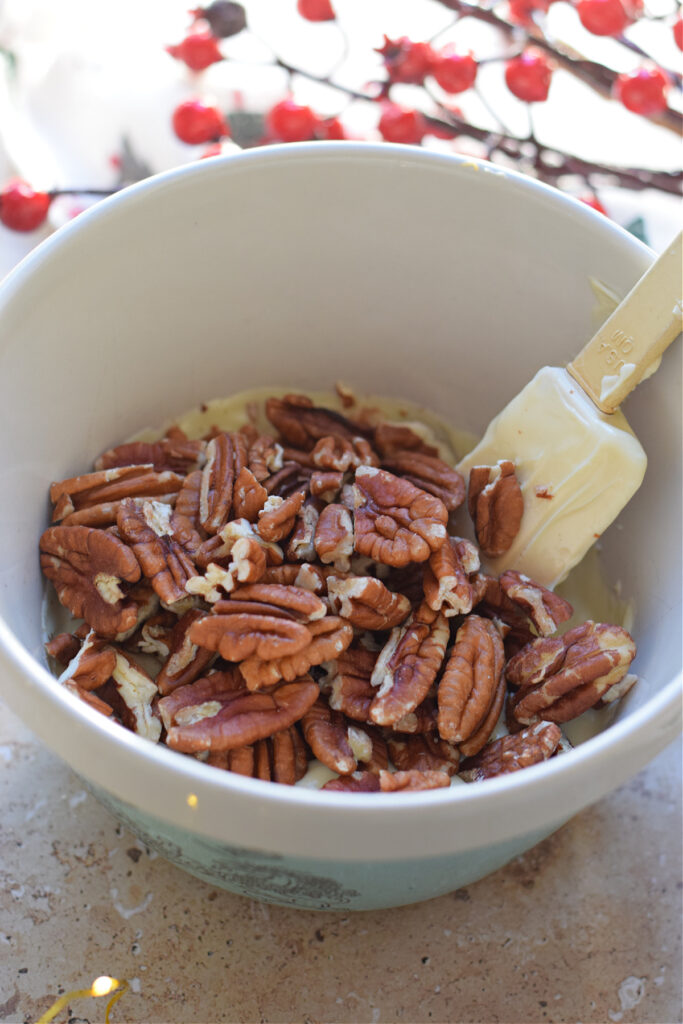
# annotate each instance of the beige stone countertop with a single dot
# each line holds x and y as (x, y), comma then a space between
(585, 928)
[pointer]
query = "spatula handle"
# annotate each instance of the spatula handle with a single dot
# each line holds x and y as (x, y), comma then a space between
(617, 358)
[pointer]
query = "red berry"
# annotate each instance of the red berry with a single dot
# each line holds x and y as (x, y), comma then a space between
(455, 72)
(198, 50)
(407, 61)
(399, 124)
(316, 10)
(195, 122)
(224, 17)
(22, 208)
(330, 128)
(528, 76)
(291, 122)
(644, 90)
(678, 32)
(521, 12)
(603, 17)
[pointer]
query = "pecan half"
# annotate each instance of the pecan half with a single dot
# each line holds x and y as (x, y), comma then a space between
(187, 502)
(511, 753)
(264, 456)
(496, 505)
(447, 585)
(545, 609)
(351, 690)
(479, 739)
(137, 690)
(164, 543)
(396, 522)
(398, 782)
(328, 637)
(326, 486)
(333, 539)
(249, 496)
(392, 439)
(174, 453)
(226, 454)
(238, 636)
(302, 424)
(63, 647)
(212, 716)
(366, 602)
(297, 602)
(407, 665)
(219, 549)
(93, 665)
(87, 567)
(310, 577)
(470, 680)
(430, 474)
(300, 547)
(326, 732)
(277, 517)
(341, 454)
(186, 661)
(560, 678)
(424, 753)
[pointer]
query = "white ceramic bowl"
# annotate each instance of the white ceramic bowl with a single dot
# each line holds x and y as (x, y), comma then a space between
(400, 272)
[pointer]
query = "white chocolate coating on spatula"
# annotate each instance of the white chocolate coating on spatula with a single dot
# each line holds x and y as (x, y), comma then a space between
(562, 445)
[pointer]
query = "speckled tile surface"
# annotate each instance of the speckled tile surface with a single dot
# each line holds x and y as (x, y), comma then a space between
(586, 928)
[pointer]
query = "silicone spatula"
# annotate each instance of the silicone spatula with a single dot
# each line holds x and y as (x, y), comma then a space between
(576, 458)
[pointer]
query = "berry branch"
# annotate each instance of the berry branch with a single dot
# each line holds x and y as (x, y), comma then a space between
(529, 57)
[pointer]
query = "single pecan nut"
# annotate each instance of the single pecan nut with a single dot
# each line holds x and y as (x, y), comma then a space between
(333, 539)
(430, 474)
(219, 549)
(226, 455)
(470, 680)
(302, 424)
(277, 518)
(93, 665)
(164, 543)
(300, 546)
(407, 665)
(366, 603)
(326, 732)
(248, 560)
(392, 439)
(63, 647)
(249, 496)
(496, 505)
(447, 585)
(175, 453)
(218, 719)
(328, 638)
(137, 690)
(326, 486)
(239, 636)
(350, 689)
(341, 454)
(396, 522)
(310, 577)
(423, 753)
(398, 782)
(87, 567)
(474, 743)
(545, 609)
(264, 456)
(297, 602)
(187, 502)
(560, 678)
(186, 661)
(511, 753)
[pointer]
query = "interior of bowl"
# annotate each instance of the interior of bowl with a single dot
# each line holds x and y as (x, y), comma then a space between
(399, 272)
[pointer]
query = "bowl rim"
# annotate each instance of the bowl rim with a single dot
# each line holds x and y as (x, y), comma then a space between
(534, 783)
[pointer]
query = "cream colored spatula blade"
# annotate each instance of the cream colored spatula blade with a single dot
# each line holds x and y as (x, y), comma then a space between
(577, 460)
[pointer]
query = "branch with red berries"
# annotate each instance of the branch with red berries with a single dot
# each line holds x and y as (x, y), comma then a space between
(530, 59)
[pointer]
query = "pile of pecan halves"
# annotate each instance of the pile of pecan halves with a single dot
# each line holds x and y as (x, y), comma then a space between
(299, 595)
